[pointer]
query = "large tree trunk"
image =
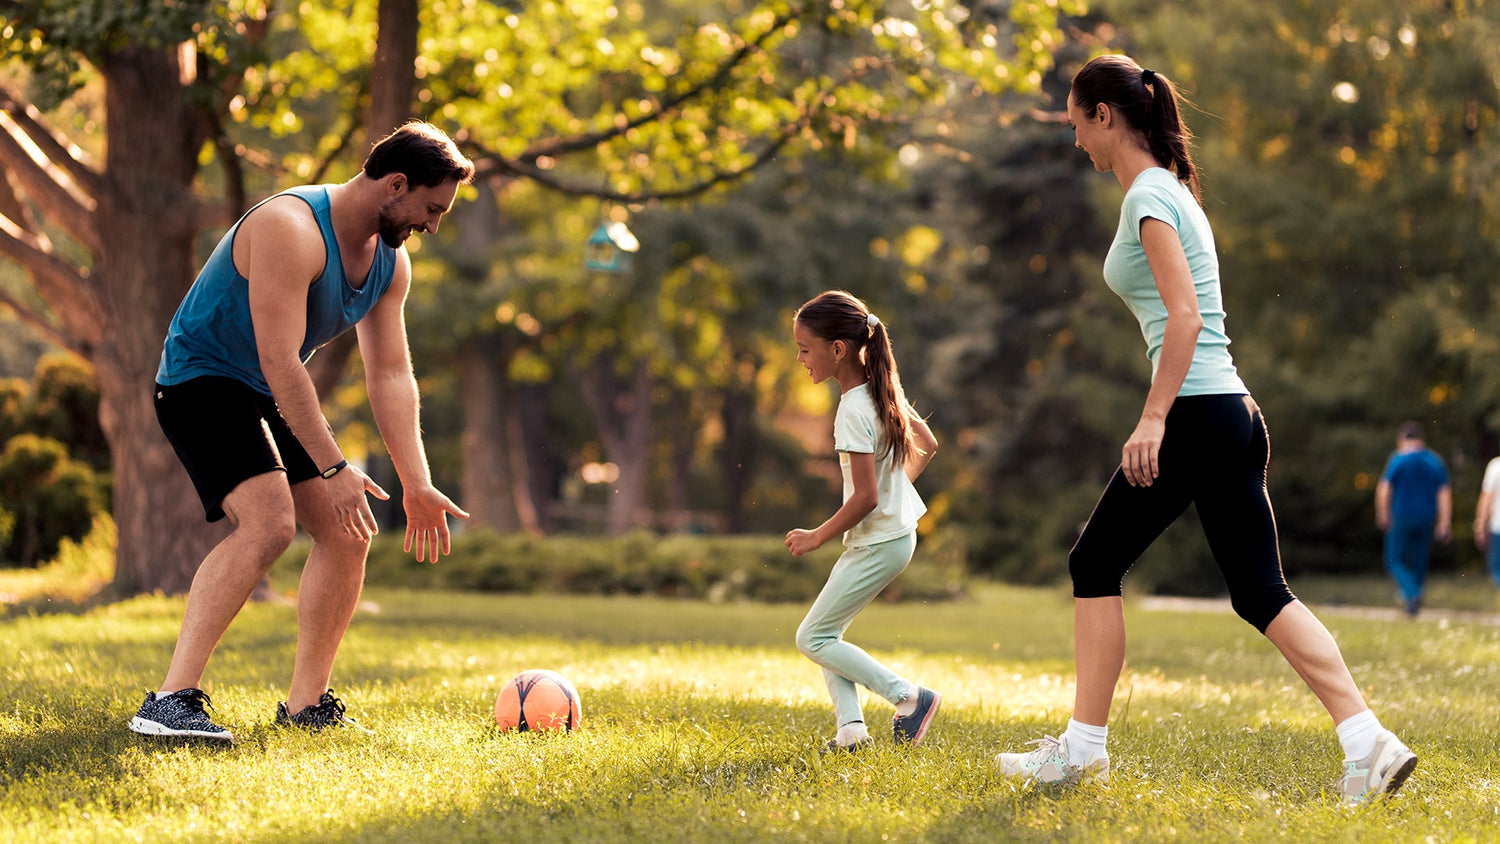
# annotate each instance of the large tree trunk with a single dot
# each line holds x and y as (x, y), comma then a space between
(146, 261)
(543, 467)
(623, 416)
(496, 489)
(740, 449)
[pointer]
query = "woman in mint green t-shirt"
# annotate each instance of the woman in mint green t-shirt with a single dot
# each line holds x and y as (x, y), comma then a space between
(1200, 440)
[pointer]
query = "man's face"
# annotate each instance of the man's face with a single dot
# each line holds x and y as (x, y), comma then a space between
(415, 210)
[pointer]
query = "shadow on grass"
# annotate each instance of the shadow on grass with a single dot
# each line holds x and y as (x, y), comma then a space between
(87, 745)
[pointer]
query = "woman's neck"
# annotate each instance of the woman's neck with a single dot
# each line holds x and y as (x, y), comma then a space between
(1132, 162)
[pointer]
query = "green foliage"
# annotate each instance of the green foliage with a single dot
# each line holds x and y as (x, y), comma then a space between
(702, 723)
(76, 574)
(57, 37)
(64, 405)
(51, 496)
(717, 568)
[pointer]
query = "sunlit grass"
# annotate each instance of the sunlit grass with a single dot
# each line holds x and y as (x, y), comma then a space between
(79, 571)
(702, 723)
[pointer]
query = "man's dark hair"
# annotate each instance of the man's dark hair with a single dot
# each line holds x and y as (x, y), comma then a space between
(423, 153)
(1410, 431)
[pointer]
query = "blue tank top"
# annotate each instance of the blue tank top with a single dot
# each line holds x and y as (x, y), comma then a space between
(212, 333)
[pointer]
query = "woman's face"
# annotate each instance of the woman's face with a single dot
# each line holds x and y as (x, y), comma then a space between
(1091, 134)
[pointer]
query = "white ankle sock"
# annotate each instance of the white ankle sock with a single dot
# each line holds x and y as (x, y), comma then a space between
(851, 732)
(1358, 733)
(1085, 742)
(908, 704)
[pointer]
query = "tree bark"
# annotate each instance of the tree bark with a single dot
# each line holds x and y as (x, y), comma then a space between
(543, 467)
(145, 264)
(496, 489)
(739, 451)
(623, 416)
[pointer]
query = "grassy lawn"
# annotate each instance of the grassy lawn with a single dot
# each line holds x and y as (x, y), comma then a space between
(702, 724)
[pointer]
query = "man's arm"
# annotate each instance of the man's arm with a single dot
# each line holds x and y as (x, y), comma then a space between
(1383, 504)
(283, 253)
(397, 407)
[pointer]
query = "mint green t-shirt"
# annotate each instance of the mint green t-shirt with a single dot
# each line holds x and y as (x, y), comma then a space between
(1159, 195)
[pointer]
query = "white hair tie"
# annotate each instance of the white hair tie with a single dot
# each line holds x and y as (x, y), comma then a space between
(872, 320)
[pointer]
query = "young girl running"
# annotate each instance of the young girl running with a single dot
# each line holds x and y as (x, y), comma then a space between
(1200, 440)
(883, 445)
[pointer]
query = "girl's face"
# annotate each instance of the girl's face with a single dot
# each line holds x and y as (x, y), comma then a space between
(818, 356)
(1090, 134)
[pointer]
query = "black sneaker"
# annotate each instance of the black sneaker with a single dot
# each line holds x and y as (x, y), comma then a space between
(912, 728)
(327, 712)
(181, 714)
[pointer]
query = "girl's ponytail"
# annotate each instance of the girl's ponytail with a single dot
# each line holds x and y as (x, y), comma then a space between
(885, 391)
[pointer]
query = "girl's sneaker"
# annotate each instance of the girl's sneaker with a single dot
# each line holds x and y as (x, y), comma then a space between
(1381, 773)
(181, 714)
(911, 729)
(1049, 764)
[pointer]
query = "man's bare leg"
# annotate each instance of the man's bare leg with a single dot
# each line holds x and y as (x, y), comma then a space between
(261, 511)
(326, 598)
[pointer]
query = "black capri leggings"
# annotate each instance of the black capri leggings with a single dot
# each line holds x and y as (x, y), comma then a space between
(1213, 454)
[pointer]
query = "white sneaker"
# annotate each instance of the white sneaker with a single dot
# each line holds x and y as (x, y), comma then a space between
(1381, 773)
(1049, 764)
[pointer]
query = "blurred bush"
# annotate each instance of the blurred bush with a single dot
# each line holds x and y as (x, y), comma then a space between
(714, 568)
(45, 497)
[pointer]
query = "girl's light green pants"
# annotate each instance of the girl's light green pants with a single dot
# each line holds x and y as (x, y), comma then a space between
(856, 579)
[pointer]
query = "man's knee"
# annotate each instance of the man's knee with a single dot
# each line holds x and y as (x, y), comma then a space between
(270, 534)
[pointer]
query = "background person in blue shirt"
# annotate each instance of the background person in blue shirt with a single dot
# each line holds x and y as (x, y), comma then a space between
(1413, 504)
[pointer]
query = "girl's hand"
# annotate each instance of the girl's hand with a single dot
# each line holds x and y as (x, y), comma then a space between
(800, 541)
(1138, 459)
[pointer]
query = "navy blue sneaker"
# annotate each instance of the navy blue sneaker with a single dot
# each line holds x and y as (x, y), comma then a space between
(181, 714)
(327, 712)
(911, 729)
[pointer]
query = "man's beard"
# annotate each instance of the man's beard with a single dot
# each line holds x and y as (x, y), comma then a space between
(393, 233)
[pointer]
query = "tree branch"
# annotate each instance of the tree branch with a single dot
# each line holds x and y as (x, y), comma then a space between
(44, 181)
(322, 169)
(61, 285)
(54, 145)
(497, 165)
(562, 146)
(43, 326)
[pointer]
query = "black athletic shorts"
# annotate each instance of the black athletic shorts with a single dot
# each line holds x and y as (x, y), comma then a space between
(225, 433)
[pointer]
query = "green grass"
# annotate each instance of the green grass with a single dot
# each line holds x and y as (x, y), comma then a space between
(701, 724)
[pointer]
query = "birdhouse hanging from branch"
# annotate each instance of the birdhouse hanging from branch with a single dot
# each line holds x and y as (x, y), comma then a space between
(611, 248)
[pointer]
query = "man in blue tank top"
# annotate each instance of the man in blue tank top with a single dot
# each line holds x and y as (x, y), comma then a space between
(235, 399)
(1413, 505)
